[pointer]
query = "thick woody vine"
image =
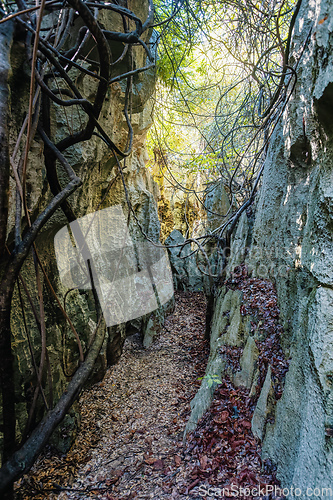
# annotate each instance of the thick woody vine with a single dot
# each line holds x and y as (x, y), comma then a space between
(52, 84)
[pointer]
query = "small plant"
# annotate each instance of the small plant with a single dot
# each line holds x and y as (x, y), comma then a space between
(211, 379)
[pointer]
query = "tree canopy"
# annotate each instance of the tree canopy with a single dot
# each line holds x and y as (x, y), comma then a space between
(224, 77)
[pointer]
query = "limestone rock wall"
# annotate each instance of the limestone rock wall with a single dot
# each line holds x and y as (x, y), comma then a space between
(178, 207)
(95, 164)
(293, 244)
(289, 250)
(193, 267)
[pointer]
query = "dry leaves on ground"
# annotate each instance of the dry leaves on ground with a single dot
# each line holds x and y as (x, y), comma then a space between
(130, 445)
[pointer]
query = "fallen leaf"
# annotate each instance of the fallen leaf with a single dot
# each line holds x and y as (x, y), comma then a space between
(192, 485)
(246, 424)
(203, 462)
(223, 417)
(158, 465)
(322, 20)
(115, 476)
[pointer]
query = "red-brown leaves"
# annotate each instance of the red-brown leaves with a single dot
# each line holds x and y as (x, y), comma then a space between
(223, 442)
(226, 450)
(260, 302)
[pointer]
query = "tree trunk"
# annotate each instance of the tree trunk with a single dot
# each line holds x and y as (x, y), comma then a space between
(23, 459)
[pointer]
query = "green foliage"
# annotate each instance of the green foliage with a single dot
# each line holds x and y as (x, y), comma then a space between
(219, 67)
(211, 379)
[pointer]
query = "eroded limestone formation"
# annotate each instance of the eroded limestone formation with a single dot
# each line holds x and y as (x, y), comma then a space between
(291, 245)
(95, 164)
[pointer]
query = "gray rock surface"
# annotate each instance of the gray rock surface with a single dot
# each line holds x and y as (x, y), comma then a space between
(261, 411)
(184, 266)
(215, 365)
(238, 247)
(248, 363)
(238, 329)
(217, 205)
(227, 328)
(95, 164)
(293, 244)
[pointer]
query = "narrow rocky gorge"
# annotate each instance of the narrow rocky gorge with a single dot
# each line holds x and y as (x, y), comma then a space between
(234, 387)
(130, 443)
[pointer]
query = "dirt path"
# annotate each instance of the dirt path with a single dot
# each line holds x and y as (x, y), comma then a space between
(130, 443)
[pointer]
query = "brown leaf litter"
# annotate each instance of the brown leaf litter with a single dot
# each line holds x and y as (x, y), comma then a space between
(130, 445)
(130, 442)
